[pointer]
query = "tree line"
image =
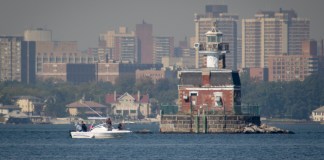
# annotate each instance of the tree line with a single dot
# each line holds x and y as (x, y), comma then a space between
(56, 95)
(295, 99)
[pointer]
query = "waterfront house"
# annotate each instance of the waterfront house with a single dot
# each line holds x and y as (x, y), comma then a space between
(86, 108)
(318, 114)
(30, 105)
(5, 110)
(129, 106)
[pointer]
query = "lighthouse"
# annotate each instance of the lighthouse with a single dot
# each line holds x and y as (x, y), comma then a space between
(213, 51)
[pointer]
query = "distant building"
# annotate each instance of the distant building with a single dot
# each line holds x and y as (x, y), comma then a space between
(258, 74)
(39, 34)
(184, 49)
(291, 67)
(288, 67)
(30, 105)
(82, 107)
(272, 33)
(17, 59)
(108, 72)
(129, 70)
(57, 52)
(126, 49)
(87, 71)
(101, 54)
(309, 47)
(154, 75)
(174, 63)
(129, 106)
(239, 53)
(144, 34)
(184, 56)
(162, 46)
(318, 114)
(215, 10)
(55, 71)
(121, 44)
(81, 73)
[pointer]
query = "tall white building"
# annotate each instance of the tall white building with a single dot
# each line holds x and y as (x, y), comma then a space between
(17, 59)
(162, 46)
(38, 34)
(272, 33)
(123, 45)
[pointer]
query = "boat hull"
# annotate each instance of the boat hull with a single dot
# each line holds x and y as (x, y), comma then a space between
(105, 134)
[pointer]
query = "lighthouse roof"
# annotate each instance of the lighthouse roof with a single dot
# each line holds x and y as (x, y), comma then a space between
(214, 31)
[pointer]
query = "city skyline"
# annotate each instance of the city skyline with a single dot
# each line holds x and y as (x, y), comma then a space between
(83, 21)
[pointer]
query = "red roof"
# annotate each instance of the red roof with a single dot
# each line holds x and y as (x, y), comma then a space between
(110, 98)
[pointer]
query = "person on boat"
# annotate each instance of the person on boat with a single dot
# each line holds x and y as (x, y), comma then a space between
(78, 127)
(109, 124)
(84, 127)
(120, 126)
(91, 127)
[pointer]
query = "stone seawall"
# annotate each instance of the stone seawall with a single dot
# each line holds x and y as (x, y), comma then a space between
(206, 123)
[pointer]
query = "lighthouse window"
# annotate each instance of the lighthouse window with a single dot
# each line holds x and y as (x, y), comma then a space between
(219, 38)
(211, 39)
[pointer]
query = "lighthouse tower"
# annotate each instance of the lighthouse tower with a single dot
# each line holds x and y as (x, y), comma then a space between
(213, 51)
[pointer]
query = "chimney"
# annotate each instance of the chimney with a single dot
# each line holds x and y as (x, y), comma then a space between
(205, 77)
(114, 95)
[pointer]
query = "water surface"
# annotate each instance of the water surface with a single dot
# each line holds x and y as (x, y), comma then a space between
(54, 142)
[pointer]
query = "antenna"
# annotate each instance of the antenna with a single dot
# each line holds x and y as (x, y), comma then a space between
(91, 109)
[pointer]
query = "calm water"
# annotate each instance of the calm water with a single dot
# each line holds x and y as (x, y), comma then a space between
(53, 142)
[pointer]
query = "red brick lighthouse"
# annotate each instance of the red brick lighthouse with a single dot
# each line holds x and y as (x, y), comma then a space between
(212, 87)
(209, 97)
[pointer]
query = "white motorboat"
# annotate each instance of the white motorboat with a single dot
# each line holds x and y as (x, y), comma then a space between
(100, 131)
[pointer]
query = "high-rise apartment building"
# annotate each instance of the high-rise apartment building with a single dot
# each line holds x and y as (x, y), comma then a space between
(239, 53)
(144, 34)
(55, 52)
(162, 46)
(101, 54)
(126, 48)
(226, 23)
(17, 59)
(38, 34)
(272, 33)
(215, 10)
(287, 67)
(309, 47)
(122, 44)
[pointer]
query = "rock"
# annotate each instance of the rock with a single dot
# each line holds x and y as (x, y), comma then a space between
(248, 130)
(263, 126)
(251, 128)
(257, 129)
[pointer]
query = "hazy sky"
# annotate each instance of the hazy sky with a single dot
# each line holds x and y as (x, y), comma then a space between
(84, 20)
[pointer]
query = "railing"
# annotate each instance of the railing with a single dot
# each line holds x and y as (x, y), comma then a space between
(252, 110)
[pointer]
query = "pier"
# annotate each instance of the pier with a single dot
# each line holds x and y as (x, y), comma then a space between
(206, 123)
